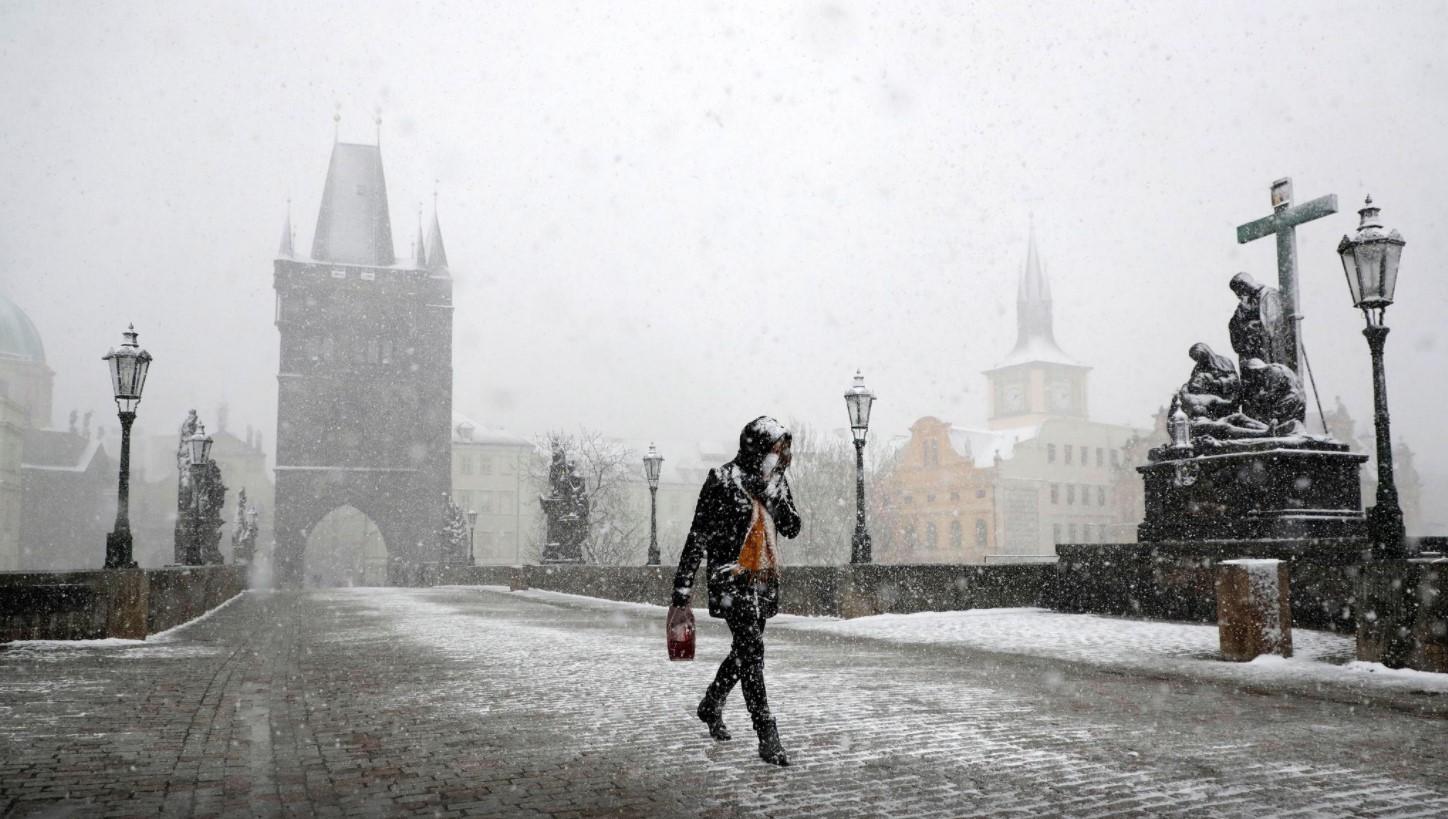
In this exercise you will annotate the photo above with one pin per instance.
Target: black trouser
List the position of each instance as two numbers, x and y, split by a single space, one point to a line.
745 663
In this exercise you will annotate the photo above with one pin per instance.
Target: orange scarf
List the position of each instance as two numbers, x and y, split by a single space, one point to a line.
757 555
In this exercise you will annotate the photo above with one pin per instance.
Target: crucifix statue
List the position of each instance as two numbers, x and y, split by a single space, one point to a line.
1284 221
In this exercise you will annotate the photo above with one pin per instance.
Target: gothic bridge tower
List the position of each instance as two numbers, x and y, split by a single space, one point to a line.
364 387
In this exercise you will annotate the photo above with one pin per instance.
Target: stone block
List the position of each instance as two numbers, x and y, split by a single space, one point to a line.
125 595
1268 494
1404 614
1254 609
518 579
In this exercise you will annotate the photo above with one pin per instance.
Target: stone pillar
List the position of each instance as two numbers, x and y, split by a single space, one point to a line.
518 579
1254 610
856 591
1403 614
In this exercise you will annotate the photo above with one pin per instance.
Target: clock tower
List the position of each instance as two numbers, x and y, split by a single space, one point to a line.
1036 380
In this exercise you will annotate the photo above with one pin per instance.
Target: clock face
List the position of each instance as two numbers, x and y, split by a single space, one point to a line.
1060 392
1014 397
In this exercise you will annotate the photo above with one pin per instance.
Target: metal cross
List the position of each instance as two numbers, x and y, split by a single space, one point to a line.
1284 220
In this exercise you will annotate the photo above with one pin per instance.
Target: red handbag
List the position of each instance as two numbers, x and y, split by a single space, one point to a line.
680 630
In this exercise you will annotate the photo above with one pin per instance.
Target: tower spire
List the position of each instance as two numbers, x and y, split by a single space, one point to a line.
284 250
419 255
436 253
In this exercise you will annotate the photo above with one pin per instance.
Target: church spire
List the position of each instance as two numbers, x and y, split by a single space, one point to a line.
284 250
1033 299
436 253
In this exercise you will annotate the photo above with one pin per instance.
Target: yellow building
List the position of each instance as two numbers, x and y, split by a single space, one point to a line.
1040 472
490 476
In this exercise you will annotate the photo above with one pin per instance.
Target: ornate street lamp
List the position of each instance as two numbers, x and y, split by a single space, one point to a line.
198 455
128 366
1370 261
472 535
858 400
653 465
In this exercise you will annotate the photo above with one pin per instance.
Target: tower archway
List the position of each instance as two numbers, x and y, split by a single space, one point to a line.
345 548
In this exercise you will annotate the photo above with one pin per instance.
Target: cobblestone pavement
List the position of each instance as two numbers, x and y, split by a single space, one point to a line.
462 701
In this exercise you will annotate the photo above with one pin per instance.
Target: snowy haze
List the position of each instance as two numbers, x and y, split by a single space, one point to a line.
664 219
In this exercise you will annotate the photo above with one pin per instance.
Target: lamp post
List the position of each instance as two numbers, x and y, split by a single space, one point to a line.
198 455
472 535
858 400
653 465
1370 262
128 366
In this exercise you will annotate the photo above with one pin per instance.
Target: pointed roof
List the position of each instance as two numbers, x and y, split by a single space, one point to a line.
353 225
284 250
419 255
1035 333
436 253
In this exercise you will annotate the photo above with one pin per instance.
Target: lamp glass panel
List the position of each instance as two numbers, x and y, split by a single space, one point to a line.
125 375
1370 271
1349 270
1392 254
206 449
143 367
197 456
113 363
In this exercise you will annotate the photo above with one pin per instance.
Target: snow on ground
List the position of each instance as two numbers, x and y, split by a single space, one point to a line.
1320 658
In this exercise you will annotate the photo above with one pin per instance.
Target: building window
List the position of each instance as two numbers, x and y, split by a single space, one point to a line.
1070 493
1068 453
485 465
932 453
1050 453
957 537
931 535
506 503
908 499
980 533
1056 532
955 496
980 493
1085 455
1055 493
1100 496
1115 457
1100 456
1071 533
465 464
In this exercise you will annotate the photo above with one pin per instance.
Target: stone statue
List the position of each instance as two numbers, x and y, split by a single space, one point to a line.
243 535
1259 327
566 509
1213 390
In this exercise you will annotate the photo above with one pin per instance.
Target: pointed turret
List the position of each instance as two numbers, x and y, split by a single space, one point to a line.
419 255
353 225
284 250
436 253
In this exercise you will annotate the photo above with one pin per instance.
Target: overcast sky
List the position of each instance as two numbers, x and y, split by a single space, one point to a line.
664 219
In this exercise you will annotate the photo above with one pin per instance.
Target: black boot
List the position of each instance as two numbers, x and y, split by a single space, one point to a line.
713 716
770 750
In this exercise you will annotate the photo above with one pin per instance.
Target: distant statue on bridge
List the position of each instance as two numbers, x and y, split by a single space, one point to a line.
566 509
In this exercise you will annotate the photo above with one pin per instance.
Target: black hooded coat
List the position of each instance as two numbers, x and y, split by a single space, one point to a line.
722 517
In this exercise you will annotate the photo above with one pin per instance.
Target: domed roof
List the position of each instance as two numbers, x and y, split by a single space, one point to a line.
18 337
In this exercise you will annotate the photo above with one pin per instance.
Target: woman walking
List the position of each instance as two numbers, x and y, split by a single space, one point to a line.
744 506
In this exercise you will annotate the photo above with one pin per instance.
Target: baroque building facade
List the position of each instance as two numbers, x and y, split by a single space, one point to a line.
1040 472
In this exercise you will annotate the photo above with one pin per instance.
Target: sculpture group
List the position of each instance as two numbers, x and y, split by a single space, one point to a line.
1263 405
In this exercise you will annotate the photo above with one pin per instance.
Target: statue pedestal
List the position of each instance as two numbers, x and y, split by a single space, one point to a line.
1264 494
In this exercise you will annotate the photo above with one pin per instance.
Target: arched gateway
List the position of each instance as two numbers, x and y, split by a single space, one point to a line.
364 389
